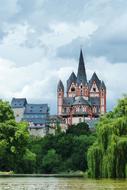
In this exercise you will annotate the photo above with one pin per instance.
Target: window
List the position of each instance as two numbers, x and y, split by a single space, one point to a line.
65 110
72 89
94 89
80 109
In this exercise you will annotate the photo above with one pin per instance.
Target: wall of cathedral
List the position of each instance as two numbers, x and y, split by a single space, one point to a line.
75 91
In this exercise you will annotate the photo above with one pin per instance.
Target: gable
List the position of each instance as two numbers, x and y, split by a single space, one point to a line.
94 88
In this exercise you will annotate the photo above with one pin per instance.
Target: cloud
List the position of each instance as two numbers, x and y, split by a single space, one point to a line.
8 10
40 42
114 76
21 44
38 82
110 38
63 33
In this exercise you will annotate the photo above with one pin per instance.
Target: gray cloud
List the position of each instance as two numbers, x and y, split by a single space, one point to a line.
40 42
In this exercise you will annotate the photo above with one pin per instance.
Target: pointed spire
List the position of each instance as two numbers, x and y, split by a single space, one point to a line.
81 76
96 79
72 79
60 86
103 85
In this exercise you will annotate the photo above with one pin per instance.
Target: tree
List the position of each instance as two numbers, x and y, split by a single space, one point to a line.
51 162
79 129
13 140
6 112
108 156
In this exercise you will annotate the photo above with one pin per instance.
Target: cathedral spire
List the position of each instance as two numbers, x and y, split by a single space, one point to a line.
81 76
60 86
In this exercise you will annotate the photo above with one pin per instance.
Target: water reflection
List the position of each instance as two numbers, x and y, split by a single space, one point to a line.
60 184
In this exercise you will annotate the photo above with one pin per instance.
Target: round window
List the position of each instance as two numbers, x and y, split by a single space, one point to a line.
72 89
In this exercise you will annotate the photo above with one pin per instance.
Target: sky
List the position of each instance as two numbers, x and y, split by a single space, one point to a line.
40 42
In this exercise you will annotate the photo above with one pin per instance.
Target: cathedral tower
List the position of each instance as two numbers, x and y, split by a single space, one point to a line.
60 96
85 99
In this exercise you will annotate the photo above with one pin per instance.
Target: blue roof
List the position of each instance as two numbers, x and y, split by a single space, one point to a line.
18 102
96 79
81 101
36 108
95 101
72 79
68 101
81 76
36 120
60 86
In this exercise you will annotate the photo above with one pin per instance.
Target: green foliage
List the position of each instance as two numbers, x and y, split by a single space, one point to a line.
6 112
79 129
58 128
62 152
108 156
52 154
13 141
14 138
51 162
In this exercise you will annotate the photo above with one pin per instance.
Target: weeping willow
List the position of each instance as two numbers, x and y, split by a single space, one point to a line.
107 157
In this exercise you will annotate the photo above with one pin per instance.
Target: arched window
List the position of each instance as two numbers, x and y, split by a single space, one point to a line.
72 89
80 109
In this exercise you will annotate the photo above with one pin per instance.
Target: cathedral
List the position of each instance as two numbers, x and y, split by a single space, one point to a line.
84 100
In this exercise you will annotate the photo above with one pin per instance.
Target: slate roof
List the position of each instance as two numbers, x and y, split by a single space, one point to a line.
60 86
36 120
18 102
103 85
95 101
81 76
56 118
81 101
96 79
72 79
68 101
36 109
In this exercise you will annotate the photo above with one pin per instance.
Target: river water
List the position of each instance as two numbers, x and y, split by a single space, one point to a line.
41 183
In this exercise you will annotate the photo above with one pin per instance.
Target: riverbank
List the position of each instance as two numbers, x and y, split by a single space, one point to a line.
43 175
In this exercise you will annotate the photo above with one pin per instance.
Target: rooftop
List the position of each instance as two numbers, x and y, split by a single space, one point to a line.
18 102
36 109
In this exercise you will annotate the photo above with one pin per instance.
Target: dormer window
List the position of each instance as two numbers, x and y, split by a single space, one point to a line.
72 89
